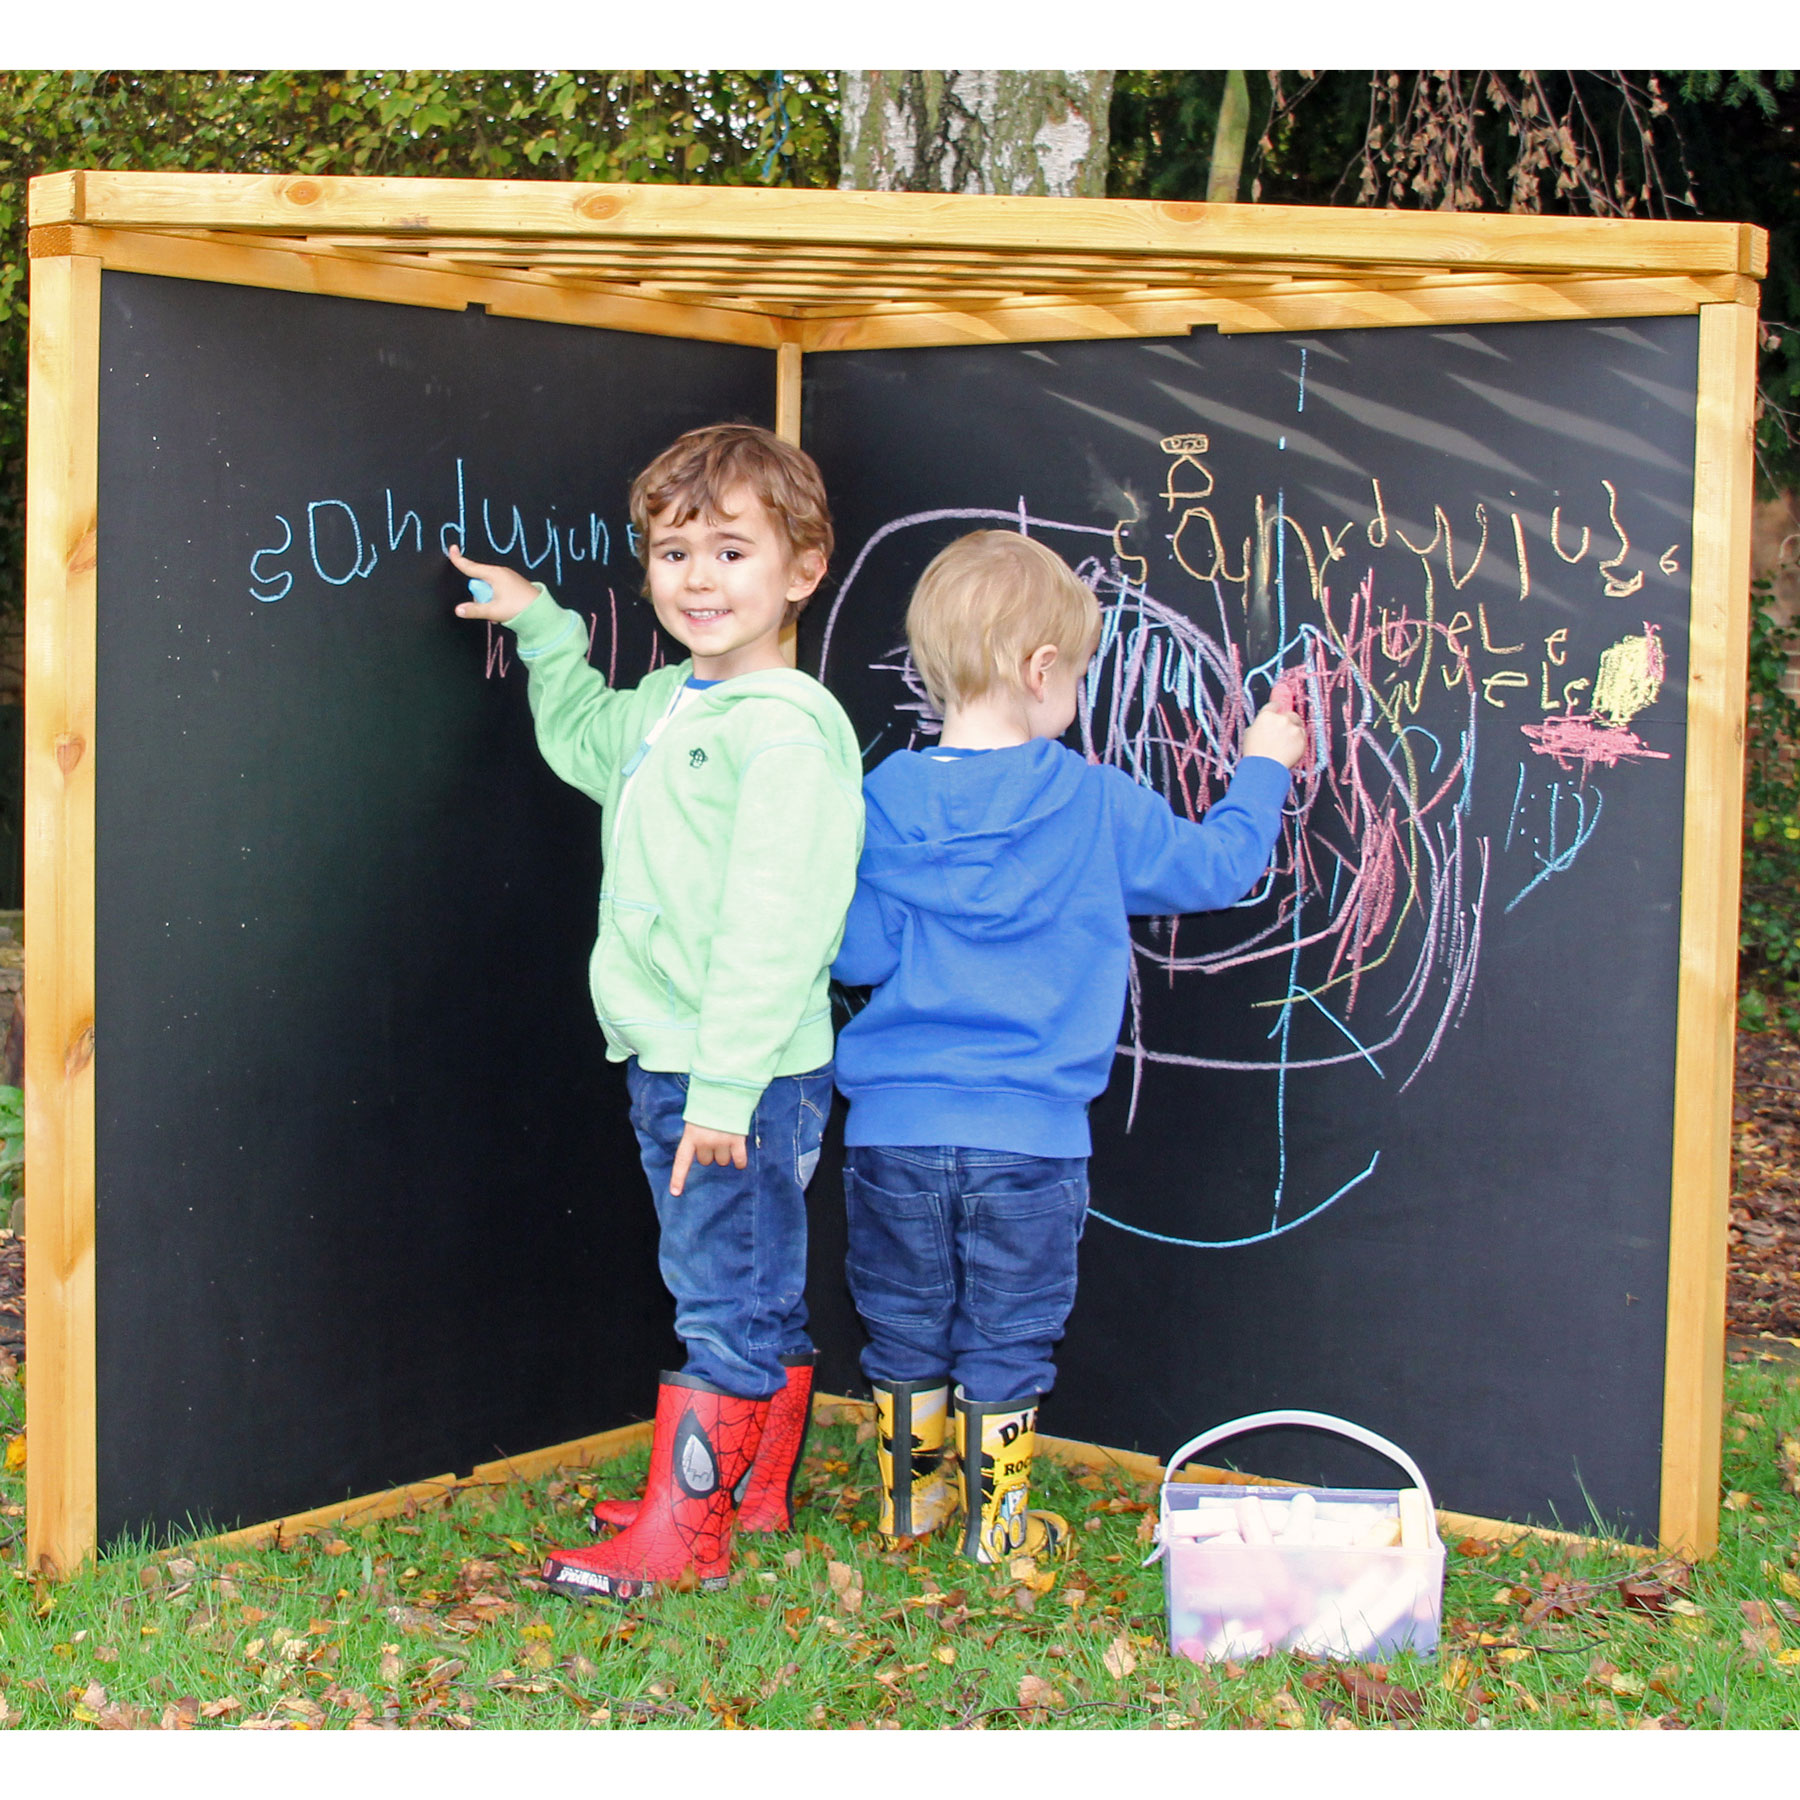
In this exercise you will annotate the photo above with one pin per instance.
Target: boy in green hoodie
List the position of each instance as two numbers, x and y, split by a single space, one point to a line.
732 818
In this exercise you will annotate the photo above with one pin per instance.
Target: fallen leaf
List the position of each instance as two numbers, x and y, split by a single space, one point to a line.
1789 1462
182 1714
1036 1694
1761 1641
15 1454
1644 1596
1736 1502
217 1709
846 1585
1756 1614
1120 1659
1474 1548
335 1547
125 1718
1374 1694
945 1653
1283 1711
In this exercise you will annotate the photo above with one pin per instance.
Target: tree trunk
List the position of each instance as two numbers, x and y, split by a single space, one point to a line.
976 131
1226 172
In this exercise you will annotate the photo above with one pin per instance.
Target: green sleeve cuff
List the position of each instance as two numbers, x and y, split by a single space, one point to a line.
538 626
719 1106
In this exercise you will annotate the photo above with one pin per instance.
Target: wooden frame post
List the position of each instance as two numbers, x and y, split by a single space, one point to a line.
1706 1002
63 475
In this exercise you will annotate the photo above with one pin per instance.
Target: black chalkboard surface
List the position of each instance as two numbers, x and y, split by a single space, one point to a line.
369 1208
1392 1138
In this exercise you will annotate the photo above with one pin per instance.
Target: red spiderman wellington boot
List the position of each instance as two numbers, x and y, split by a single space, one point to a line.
704 1444
766 1499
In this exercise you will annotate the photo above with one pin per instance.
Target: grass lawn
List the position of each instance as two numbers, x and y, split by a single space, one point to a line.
437 1622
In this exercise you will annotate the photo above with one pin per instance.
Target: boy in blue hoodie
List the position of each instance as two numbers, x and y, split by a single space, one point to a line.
998 872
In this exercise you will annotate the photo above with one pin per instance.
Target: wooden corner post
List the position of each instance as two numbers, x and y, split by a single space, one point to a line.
787 428
61 516
1706 1006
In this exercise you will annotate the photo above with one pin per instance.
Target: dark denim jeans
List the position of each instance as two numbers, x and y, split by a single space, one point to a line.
962 1262
733 1249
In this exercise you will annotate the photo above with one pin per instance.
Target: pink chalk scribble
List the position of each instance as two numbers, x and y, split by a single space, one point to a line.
1581 740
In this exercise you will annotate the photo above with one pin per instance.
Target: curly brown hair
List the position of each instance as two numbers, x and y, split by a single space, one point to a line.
692 478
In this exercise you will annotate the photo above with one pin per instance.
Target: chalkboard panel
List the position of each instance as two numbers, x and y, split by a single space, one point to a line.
368 1205
1391 1139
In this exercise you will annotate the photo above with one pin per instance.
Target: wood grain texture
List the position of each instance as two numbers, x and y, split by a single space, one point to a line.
1706 1003
343 1512
409 283
393 205
60 750
1444 302
787 427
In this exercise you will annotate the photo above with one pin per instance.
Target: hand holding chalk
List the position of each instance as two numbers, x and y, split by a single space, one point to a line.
1276 731
496 593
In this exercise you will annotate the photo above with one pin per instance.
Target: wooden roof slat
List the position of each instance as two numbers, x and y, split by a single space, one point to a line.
290 204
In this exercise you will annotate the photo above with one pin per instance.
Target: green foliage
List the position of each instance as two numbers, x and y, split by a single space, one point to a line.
12 1143
772 127
1725 144
1769 922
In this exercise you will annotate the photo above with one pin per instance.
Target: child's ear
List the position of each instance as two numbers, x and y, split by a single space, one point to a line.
1037 669
805 573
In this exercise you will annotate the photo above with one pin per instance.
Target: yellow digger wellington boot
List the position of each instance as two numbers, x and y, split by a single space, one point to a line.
911 1426
994 1448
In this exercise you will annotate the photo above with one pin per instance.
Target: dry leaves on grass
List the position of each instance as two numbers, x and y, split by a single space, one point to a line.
1788 1462
1037 1697
846 1584
1119 1658
1764 1292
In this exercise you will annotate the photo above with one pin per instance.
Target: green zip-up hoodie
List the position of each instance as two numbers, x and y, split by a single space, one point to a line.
730 848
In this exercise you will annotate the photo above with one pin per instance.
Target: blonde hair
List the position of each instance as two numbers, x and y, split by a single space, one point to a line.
984 604
695 475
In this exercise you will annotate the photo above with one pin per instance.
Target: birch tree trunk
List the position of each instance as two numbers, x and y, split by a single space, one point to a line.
976 131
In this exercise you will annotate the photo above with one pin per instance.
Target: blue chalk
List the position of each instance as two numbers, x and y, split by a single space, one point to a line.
480 591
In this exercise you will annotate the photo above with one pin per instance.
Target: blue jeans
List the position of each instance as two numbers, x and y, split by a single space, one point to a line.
962 1262
733 1249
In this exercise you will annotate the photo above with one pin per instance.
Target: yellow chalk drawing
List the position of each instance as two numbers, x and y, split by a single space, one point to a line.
1617 587
1120 527
1631 676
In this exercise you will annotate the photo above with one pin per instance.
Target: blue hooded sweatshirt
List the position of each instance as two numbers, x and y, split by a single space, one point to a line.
990 918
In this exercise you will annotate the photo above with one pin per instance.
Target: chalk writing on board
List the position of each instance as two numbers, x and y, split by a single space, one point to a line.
1367 931
339 541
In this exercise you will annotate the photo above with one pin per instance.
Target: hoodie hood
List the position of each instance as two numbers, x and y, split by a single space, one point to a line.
980 840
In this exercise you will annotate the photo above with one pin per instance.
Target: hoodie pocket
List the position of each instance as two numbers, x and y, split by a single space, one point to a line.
630 984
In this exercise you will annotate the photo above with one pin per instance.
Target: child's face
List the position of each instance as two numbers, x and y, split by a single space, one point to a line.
721 585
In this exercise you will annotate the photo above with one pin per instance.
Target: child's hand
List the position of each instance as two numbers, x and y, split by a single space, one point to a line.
698 1144
1276 732
512 592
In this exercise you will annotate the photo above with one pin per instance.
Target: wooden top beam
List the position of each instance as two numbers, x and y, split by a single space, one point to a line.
302 204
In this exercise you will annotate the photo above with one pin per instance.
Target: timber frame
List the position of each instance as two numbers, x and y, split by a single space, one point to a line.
805 272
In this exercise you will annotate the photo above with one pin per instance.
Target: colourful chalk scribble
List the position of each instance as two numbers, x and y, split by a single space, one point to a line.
1630 679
